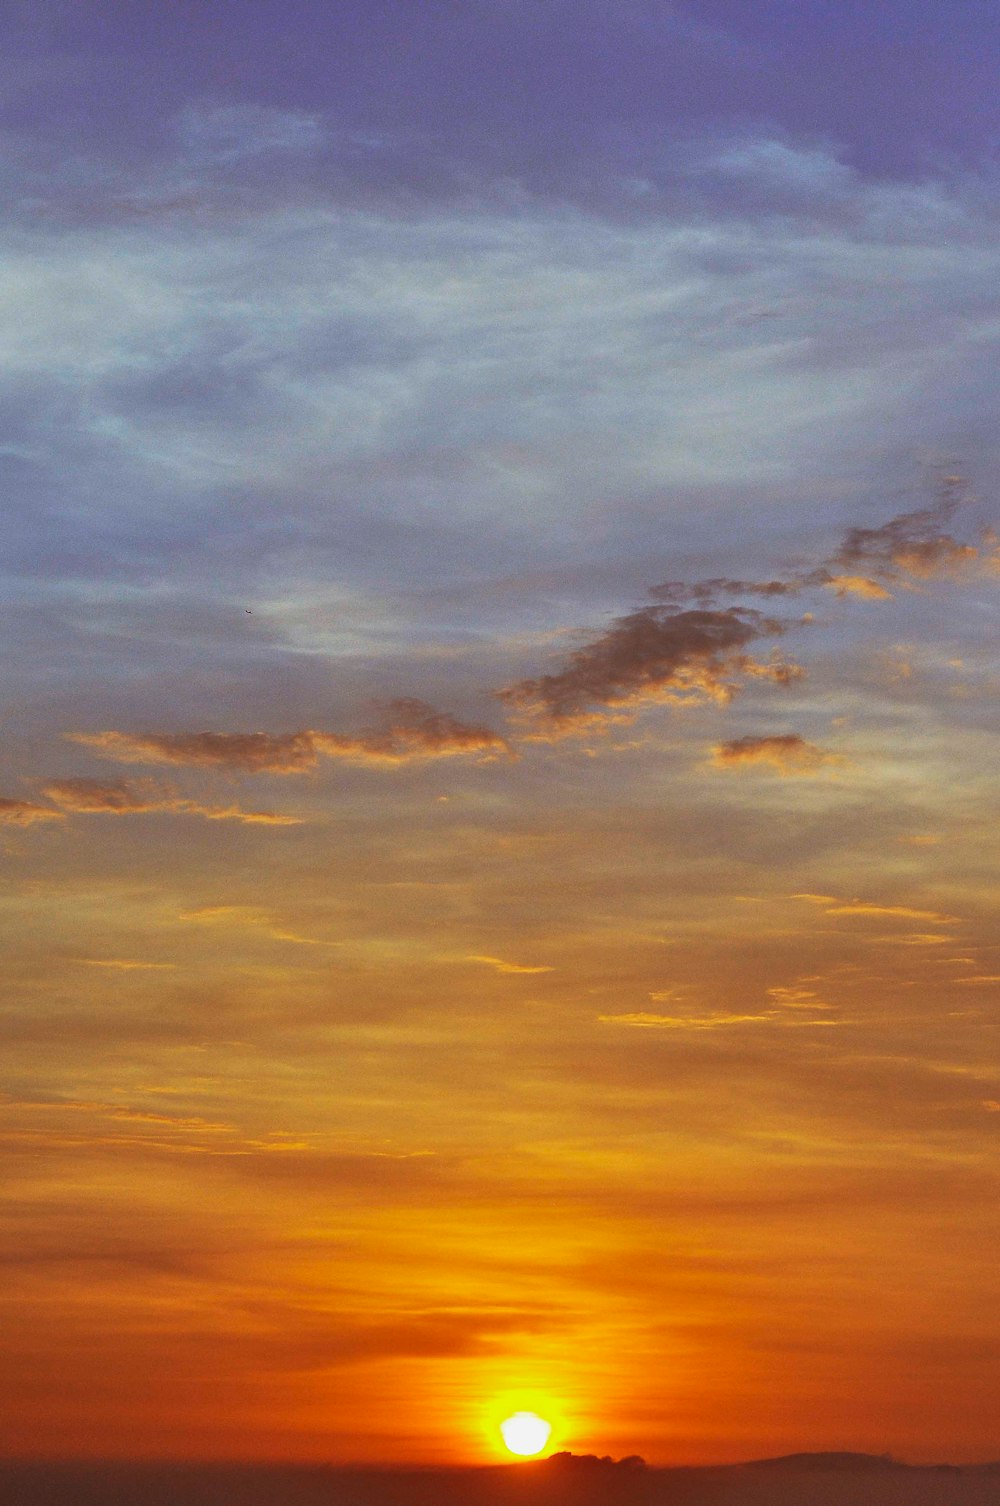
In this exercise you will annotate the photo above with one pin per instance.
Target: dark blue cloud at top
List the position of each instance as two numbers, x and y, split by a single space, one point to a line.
524 84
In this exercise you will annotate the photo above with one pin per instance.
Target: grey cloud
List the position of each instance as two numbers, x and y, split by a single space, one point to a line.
706 592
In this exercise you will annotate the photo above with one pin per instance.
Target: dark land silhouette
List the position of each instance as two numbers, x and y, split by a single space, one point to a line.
825 1479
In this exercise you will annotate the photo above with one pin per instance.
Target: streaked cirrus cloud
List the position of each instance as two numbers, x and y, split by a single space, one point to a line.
26 813
94 797
411 730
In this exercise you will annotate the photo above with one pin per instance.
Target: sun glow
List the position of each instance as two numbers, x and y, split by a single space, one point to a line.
525 1433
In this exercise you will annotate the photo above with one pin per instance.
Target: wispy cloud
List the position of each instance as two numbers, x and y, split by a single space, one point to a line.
644 1020
251 918
230 133
125 964
833 906
94 797
26 813
794 996
895 912
719 1020
250 752
409 730
500 966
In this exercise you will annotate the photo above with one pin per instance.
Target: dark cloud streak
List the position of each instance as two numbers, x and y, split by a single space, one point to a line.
410 730
653 653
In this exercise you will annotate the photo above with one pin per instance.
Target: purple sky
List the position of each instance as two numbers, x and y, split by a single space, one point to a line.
899 87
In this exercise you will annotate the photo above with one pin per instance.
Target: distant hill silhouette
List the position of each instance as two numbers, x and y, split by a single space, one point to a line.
828 1461
818 1479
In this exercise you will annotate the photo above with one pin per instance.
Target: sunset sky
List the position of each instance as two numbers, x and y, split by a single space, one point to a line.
498 807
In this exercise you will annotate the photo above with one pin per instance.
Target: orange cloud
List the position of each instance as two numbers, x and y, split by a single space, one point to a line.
642 1020
253 752
788 753
920 938
902 912
797 998
124 964
833 906
655 653
247 916
25 813
93 797
508 967
858 585
720 1021
411 729
912 544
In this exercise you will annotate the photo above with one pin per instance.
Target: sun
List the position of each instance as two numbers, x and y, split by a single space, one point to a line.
525 1433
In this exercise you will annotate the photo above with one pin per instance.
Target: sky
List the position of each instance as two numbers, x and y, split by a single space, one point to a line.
497 787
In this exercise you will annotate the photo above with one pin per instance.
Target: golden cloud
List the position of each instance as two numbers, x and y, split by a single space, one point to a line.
252 752
247 916
94 797
642 1020
834 906
413 730
913 544
858 585
653 654
124 964
410 729
796 997
901 912
507 967
26 813
788 753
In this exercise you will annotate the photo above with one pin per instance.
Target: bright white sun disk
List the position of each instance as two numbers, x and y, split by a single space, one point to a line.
525 1433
